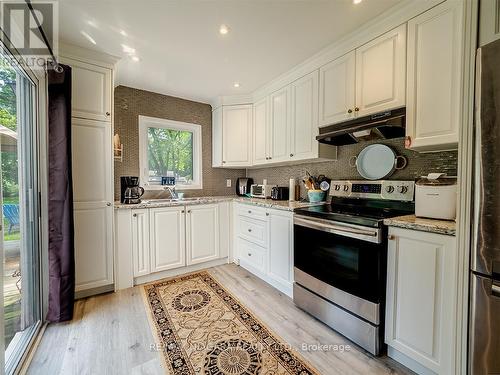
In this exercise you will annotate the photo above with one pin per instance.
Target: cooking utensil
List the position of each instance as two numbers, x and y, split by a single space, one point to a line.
377 161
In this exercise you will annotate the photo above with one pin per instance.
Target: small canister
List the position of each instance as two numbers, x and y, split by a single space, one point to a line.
436 197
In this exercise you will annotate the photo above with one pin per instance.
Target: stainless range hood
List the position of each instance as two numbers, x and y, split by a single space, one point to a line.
384 125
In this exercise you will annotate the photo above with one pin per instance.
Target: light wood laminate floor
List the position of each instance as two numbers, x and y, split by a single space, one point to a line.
110 334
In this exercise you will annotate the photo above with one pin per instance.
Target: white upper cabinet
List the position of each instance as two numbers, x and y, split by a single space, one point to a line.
381 73
489 21
280 124
434 78
304 124
337 90
202 233
167 241
91 90
261 131
217 137
236 135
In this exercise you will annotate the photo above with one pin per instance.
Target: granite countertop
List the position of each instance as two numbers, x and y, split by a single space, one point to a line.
268 203
447 227
152 203
280 205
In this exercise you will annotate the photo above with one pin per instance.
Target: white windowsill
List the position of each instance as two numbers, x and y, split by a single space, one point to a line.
177 187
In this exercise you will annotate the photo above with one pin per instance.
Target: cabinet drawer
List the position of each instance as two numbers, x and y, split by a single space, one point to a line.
252 254
253 230
252 212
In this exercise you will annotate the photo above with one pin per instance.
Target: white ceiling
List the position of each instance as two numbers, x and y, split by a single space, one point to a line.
182 53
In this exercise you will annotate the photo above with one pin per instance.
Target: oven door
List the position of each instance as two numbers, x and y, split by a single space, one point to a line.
351 258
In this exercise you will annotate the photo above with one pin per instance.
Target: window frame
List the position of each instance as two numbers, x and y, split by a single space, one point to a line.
146 122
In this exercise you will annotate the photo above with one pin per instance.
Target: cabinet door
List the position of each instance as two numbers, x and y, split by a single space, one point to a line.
91 90
434 78
489 21
421 297
381 73
336 90
237 135
168 238
92 207
217 137
281 248
202 233
261 131
280 124
140 242
304 126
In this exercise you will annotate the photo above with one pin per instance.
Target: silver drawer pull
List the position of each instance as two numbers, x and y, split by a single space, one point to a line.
249 230
249 254
249 211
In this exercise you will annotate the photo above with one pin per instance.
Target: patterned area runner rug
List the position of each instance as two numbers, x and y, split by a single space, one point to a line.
203 329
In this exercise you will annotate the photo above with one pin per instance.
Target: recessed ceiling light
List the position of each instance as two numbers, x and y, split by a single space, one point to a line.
88 37
356 1
135 58
128 50
236 84
223 29
123 33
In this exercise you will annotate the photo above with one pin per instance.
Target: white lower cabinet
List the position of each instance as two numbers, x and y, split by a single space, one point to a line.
153 243
140 242
264 244
202 233
280 248
168 246
421 300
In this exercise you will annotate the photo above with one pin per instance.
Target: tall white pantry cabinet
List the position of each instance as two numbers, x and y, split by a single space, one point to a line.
92 168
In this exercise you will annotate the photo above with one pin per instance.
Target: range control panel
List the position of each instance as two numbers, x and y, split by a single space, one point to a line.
382 189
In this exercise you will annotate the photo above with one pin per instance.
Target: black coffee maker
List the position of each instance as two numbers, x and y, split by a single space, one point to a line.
131 192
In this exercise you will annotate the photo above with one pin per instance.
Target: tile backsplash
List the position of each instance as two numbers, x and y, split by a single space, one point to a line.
418 164
130 103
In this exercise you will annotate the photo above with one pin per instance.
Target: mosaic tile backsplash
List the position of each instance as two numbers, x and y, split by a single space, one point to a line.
130 103
419 164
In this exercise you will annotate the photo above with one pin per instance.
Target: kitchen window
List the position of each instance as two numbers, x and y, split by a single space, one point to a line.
169 149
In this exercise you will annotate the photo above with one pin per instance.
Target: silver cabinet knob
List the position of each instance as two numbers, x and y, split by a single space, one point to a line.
108 114
182 211
267 213
249 230
249 211
189 211
291 155
249 254
391 237
349 110
108 204
134 215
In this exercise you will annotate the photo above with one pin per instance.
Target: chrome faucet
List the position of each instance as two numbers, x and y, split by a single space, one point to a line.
171 190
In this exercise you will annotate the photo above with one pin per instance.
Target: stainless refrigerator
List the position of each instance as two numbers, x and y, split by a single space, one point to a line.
484 323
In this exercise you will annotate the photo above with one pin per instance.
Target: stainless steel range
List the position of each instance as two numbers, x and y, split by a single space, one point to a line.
340 258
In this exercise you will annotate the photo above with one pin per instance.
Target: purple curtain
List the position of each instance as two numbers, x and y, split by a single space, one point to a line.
61 233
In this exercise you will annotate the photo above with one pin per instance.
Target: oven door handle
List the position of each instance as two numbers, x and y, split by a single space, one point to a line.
348 231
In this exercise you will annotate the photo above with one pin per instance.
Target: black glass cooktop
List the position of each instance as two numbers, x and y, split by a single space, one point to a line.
359 211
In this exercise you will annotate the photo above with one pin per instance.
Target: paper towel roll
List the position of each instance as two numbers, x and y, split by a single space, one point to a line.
291 193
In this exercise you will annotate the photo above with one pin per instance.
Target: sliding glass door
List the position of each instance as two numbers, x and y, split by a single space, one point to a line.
19 209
